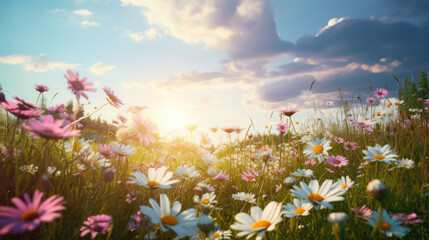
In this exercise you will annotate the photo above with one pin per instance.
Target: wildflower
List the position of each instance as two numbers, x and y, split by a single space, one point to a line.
187 172
310 162
109 174
49 128
122 118
362 212
329 102
249 176
105 150
221 176
249 197
278 187
407 219
57 109
157 178
350 145
338 139
228 129
221 235
144 129
136 109
288 112
112 98
337 217
202 187
381 154
405 163
346 182
387 225
52 170
191 128
209 159
259 221
320 196
184 223
78 86
298 208
370 100
96 160
338 161
282 128
207 200
132 196
376 189
318 148
122 150
42 88
213 129
380 92
289 181
205 140
29 213
95 225
205 224
32 169
238 129
303 173
21 109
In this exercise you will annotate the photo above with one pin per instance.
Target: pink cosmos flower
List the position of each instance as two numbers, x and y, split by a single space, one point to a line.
42 88
350 145
144 128
338 139
205 140
282 128
21 109
99 224
238 129
249 176
362 165
221 176
380 92
113 99
278 187
362 212
338 161
29 213
370 100
106 150
228 129
310 162
407 219
49 128
57 109
132 196
122 118
78 86
288 112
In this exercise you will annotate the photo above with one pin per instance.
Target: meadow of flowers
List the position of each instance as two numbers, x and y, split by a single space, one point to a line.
359 174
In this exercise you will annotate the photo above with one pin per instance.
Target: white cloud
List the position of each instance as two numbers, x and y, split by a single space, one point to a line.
83 12
40 64
332 22
90 23
100 68
150 34
15 59
140 84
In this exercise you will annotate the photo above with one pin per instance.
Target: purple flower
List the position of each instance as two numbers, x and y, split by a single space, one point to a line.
29 213
221 176
49 128
113 99
338 161
370 100
78 86
57 109
42 88
380 92
21 109
99 224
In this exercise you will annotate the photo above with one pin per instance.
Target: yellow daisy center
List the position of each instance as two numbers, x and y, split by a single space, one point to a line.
169 220
185 175
384 226
299 211
29 215
142 129
405 165
120 152
378 157
315 197
205 201
216 235
204 141
345 186
95 163
152 183
260 224
318 149
302 174
249 199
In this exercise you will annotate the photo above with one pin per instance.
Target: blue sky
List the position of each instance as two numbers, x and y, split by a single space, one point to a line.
211 62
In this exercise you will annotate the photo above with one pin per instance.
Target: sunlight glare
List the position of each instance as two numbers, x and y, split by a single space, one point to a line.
173 118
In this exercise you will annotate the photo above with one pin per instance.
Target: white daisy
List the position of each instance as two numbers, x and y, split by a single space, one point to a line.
52 170
122 150
318 148
303 173
298 208
319 196
239 196
207 200
203 187
78 147
32 169
184 223
381 154
259 221
346 182
96 160
221 235
187 172
405 163
389 226
249 197
157 178
209 159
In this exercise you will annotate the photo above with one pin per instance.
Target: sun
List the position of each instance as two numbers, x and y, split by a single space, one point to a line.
172 118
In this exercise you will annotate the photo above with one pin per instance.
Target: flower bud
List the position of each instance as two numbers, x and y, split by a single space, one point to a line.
109 174
205 224
289 182
376 189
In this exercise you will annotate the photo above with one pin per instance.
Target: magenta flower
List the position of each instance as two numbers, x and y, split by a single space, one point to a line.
380 92
113 99
338 161
78 86
49 128
57 109
249 176
21 109
288 112
370 100
99 224
362 212
221 176
106 150
42 88
338 139
282 128
350 145
407 219
29 213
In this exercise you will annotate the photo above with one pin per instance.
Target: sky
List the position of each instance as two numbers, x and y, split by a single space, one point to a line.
212 62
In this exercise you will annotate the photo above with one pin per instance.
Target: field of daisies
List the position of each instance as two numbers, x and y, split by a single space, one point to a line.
361 173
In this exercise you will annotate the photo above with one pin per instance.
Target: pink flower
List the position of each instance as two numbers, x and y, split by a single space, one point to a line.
420 99
362 165
282 128
362 212
99 224
350 145
407 219
21 109
278 187
57 109
132 196
144 128
249 176
221 176
380 92
29 213
288 112
42 88
112 98
294 154
105 150
78 86
49 128
122 118
338 139
370 100
310 162
338 161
